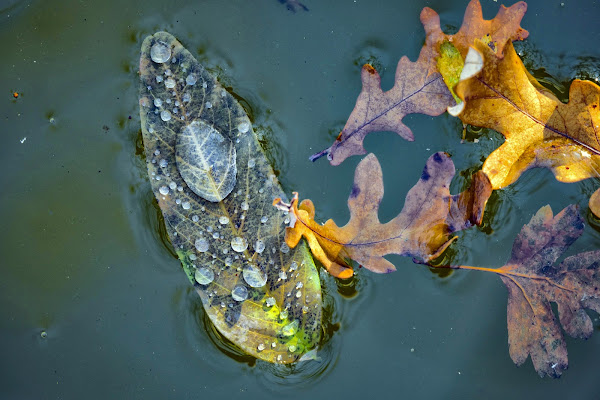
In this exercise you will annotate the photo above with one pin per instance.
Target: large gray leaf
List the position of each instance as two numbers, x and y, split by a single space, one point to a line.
258 293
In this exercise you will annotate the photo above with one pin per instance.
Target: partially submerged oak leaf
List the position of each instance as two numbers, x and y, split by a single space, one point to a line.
418 87
422 230
215 187
533 282
595 203
540 130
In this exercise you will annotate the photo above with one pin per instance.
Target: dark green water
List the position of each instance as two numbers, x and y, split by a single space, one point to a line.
84 261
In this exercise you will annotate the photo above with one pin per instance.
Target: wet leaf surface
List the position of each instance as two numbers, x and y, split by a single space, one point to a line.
422 230
540 130
259 293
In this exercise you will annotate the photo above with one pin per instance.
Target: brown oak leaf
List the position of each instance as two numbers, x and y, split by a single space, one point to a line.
419 86
422 230
534 282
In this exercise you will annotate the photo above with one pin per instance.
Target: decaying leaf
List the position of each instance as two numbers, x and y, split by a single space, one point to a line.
595 203
533 282
215 187
540 131
422 230
419 87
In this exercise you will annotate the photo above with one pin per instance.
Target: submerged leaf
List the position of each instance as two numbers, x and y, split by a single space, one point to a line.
422 230
533 283
206 161
419 87
540 131
257 292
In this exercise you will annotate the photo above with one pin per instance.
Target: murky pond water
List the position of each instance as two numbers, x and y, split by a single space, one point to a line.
95 305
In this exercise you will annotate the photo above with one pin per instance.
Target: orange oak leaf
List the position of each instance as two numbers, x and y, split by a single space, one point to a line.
540 130
595 203
419 87
533 282
422 230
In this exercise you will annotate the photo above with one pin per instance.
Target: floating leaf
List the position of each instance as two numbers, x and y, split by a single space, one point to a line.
533 282
595 203
540 131
230 241
419 87
422 230
206 161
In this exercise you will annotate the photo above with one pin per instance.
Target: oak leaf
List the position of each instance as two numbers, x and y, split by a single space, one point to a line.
533 283
419 86
422 230
214 187
540 130
595 203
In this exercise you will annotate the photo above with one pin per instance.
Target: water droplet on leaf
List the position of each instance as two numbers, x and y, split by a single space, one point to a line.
239 244
254 276
160 53
239 293
204 276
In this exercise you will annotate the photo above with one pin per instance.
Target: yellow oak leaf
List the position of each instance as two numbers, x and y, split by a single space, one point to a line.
540 130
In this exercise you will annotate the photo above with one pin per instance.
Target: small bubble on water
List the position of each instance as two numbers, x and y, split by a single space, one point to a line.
175 110
254 276
208 104
259 246
159 78
282 275
157 152
170 83
163 190
195 218
201 245
168 72
239 293
204 276
251 163
173 185
187 97
260 347
177 103
244 206
204 85
160 53
264 219
284 248
163 163
292 348
43 335
299 285
223 220
186 205
193 257
239 244
165 115
157 102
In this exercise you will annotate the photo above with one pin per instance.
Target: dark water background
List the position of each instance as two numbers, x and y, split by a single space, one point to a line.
83 259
